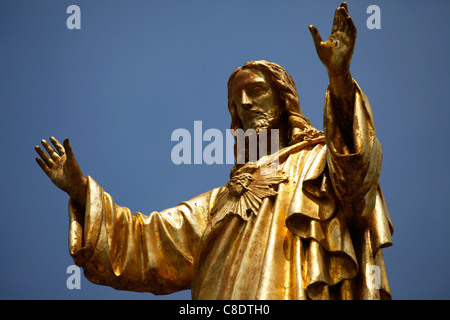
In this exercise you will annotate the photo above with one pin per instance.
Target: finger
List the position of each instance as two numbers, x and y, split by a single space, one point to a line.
58 145
343 9
349 21
346 23
68 148
342 20
316 36
43 166
351 27
344 5
47 160
50 150
344 17
335 21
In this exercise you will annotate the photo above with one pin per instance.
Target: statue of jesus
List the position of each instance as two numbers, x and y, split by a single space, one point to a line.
314 228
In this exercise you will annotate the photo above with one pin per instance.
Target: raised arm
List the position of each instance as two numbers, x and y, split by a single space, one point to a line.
354 154
336 54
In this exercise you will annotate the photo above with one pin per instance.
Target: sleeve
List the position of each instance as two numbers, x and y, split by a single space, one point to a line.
153 253
340 213
354 175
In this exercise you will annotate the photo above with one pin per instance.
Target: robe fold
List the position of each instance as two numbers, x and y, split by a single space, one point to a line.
314 229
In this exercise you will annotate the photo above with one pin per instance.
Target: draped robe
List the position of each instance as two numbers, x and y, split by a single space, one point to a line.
314 230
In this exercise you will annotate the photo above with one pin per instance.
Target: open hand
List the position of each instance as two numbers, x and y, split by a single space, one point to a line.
336 53
62 168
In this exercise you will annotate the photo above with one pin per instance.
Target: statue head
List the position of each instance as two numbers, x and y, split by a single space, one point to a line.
274 90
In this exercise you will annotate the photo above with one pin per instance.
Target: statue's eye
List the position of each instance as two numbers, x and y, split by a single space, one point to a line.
257 90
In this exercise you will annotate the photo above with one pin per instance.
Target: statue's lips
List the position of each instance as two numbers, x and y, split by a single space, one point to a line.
256 118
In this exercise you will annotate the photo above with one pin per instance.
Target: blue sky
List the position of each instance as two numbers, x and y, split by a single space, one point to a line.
138 70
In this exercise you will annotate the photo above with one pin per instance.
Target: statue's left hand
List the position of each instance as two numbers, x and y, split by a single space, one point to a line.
336 53
63 170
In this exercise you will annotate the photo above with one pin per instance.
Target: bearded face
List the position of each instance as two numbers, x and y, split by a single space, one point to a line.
257 103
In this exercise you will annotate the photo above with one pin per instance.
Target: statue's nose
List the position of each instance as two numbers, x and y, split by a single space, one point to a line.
245 100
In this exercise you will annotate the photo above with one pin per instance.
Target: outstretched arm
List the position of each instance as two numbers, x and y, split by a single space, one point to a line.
131 252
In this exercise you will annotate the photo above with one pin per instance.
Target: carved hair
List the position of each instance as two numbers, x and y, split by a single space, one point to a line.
300 127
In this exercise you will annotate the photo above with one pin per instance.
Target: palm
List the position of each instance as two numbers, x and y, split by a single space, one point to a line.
336 53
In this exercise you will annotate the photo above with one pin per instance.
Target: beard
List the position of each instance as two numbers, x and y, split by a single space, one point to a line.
262 120
260 128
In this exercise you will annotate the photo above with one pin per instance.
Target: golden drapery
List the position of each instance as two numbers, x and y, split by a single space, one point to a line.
311 231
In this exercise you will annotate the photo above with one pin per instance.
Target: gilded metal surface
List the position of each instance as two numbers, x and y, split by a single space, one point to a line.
310 230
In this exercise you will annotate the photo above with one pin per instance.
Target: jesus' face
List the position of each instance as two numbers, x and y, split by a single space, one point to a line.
256 101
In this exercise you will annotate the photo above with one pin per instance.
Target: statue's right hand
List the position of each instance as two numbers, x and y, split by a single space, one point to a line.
63 169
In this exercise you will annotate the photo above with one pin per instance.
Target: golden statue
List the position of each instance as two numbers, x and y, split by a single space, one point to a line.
313 229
